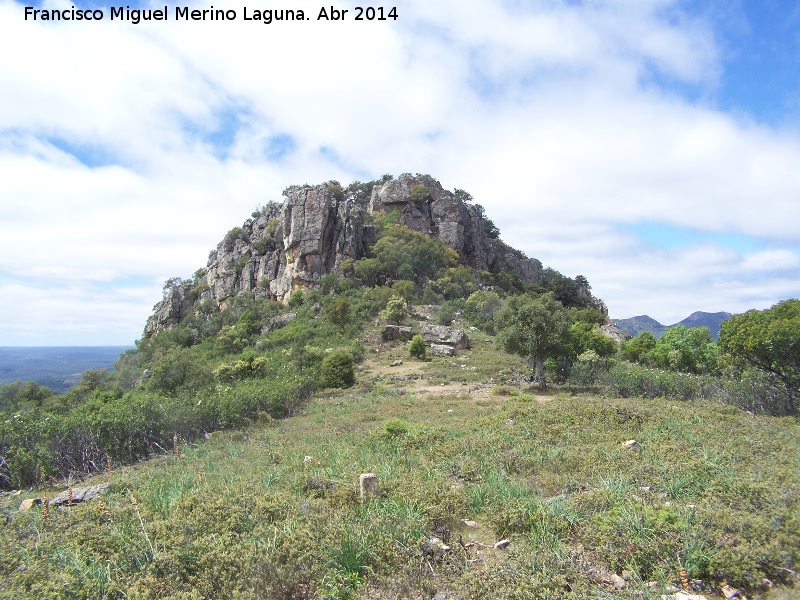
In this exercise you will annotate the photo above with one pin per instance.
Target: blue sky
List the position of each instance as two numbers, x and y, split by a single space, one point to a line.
651 146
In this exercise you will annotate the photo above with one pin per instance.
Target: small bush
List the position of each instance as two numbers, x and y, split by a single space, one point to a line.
417 348
296 299
396 427
337 368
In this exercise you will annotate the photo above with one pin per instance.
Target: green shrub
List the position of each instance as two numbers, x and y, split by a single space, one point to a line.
339 314
396 427
419 193
296 299
417 347
338 369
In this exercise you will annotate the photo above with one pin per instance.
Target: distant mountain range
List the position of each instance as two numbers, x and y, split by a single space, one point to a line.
641 323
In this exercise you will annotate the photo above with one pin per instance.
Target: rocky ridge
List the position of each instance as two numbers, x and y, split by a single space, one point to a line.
289 246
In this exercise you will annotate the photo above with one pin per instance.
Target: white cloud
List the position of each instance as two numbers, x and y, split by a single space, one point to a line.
560 119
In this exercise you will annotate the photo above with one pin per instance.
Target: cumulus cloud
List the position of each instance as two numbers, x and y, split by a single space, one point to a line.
130 149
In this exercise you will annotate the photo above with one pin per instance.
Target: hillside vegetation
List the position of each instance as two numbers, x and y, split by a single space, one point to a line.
234 439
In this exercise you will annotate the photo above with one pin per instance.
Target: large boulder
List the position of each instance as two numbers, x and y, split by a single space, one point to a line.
442 334
396 332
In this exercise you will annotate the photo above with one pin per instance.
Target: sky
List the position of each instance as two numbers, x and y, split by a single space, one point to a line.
652 146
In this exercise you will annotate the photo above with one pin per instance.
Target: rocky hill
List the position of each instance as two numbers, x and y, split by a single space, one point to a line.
289 246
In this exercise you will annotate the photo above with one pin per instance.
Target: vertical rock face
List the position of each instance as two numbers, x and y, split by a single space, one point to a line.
290 246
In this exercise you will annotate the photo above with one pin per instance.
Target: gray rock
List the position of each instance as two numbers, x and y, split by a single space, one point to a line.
281 321
615 333
368 485
442 350
396 332
617 582
442 334
395 363
80 494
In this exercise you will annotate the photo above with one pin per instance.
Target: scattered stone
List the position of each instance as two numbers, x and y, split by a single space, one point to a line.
453 364
682 596
469 523
440 596
368 483
630 444
80 494
434 546
395 363
442 350
396 332
502 544
645 489
27 504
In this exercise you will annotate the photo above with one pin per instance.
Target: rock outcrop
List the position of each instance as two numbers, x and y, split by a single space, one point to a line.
290 246
443 334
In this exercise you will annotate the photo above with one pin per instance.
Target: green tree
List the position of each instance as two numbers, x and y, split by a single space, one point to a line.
685 349
395 310
327 284
404 254
536 328
587 337
770 341
638 348
481 307
339 314
405 289
417 347
338 369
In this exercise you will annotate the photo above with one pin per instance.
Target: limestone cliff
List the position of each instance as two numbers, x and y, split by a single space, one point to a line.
290 246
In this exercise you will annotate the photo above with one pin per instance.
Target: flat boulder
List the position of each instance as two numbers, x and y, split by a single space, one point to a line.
442 350
443 334
80 494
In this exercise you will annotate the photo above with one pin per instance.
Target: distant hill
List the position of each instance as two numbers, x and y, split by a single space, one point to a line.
636 325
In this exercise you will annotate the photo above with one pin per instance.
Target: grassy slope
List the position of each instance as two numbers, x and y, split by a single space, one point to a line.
273 511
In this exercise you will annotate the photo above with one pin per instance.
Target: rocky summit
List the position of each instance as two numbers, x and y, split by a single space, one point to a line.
289 246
